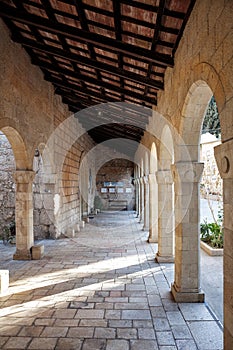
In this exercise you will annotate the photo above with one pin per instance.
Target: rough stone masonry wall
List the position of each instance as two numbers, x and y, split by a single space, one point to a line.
7 190
30 108
121 171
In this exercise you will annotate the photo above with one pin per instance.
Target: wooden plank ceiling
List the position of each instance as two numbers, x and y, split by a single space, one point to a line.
98 51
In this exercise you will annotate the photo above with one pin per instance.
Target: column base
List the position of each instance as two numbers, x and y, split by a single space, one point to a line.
152 240
164 259
145 228
22 255
187 297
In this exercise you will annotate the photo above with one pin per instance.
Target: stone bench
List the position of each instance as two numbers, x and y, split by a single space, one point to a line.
4 281
37 251
118 204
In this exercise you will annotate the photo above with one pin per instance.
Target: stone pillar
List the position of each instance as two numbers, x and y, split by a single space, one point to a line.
153 209
24 214
136 183
141 213
224 158
146 204
165 216
186 287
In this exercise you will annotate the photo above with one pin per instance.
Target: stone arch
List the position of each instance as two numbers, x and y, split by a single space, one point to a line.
18 146
153 196
165 198
153 159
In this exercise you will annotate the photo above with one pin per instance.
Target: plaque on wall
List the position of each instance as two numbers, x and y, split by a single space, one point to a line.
128 190
111 190
104 190
120 190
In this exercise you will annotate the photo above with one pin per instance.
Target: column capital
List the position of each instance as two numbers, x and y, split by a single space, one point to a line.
141 180
224 158
24 176
146 180
187 171
164 177
152 178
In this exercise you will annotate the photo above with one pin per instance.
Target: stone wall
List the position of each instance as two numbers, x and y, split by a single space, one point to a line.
7 188
114 188
33 117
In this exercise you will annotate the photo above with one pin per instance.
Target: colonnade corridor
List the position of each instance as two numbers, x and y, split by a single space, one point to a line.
100 290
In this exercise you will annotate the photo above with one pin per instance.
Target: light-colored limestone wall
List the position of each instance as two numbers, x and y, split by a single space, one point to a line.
204 67
33 117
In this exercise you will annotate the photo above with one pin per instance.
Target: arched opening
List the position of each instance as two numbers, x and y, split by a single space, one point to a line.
153 196
165 198
7 196
146 192
193 113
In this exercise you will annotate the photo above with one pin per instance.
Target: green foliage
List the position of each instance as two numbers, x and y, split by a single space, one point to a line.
8 234
212 234
211 121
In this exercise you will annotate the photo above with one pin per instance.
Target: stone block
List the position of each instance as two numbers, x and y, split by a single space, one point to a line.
4 281
37 252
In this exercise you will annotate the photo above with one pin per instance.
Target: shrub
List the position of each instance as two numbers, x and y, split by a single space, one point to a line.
212 234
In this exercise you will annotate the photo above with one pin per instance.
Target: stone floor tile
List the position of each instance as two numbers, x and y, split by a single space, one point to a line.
138 300
44 321
175 318
197 313
105 333
146 333
93 323
136 315
17 343
3 341
165 338
31 331
127 333
117 344
120 323
143 345
64 322
56 332
181 332
158 311
94 344
154 300
207 334
80 332
117 299
167 347
161 324
133 287
113 314
184 344
90 314
131 306
69 344
104 306
9 331
63 313
43 343
142 324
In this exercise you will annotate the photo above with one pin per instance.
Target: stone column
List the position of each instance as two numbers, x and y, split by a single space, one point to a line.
141 213
24 214
186 287
165 216
224 158
146 204
153 209
136 183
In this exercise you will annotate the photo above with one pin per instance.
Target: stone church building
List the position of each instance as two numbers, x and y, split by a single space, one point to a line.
101 108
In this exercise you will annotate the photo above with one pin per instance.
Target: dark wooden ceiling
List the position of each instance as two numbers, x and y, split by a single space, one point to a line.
98 51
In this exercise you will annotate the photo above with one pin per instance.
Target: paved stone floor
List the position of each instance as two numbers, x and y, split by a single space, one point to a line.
101 290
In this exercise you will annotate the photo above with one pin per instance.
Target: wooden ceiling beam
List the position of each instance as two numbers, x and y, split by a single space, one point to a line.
96 82
85 36
137 78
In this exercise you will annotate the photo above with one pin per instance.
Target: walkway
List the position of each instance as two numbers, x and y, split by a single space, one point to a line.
101 290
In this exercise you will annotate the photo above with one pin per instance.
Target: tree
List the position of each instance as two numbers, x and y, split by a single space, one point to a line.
211 122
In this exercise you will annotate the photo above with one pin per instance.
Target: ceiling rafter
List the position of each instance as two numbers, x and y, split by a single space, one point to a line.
98 54
86 37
